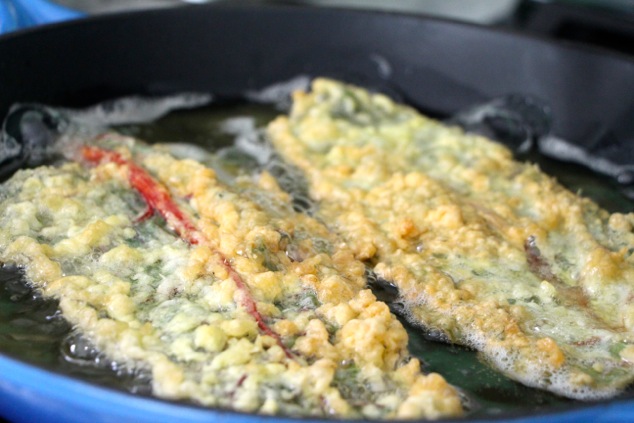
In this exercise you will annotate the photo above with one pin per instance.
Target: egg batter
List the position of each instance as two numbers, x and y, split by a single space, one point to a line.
223 293
488 251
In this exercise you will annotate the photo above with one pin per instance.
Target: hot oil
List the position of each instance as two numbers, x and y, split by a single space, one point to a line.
32 329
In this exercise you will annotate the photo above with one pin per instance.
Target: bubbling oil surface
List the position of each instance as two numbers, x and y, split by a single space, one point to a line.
230 138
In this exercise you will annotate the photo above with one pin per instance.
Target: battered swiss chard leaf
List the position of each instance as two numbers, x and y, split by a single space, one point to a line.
487 250
222 294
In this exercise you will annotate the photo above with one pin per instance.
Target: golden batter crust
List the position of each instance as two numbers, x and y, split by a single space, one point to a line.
490 251
148 298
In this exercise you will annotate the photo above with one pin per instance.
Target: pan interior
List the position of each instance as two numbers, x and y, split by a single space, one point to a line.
32 330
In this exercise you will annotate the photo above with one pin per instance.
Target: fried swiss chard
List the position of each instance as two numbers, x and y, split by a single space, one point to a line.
489 251
221 292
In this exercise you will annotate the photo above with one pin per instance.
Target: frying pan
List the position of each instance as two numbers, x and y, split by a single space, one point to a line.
438 66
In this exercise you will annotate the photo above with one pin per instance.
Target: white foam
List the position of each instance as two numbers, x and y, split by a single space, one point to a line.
248 138
566 151
135 109
530 371
279 94
183 150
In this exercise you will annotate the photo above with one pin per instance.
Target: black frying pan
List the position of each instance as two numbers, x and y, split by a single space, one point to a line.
438 66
